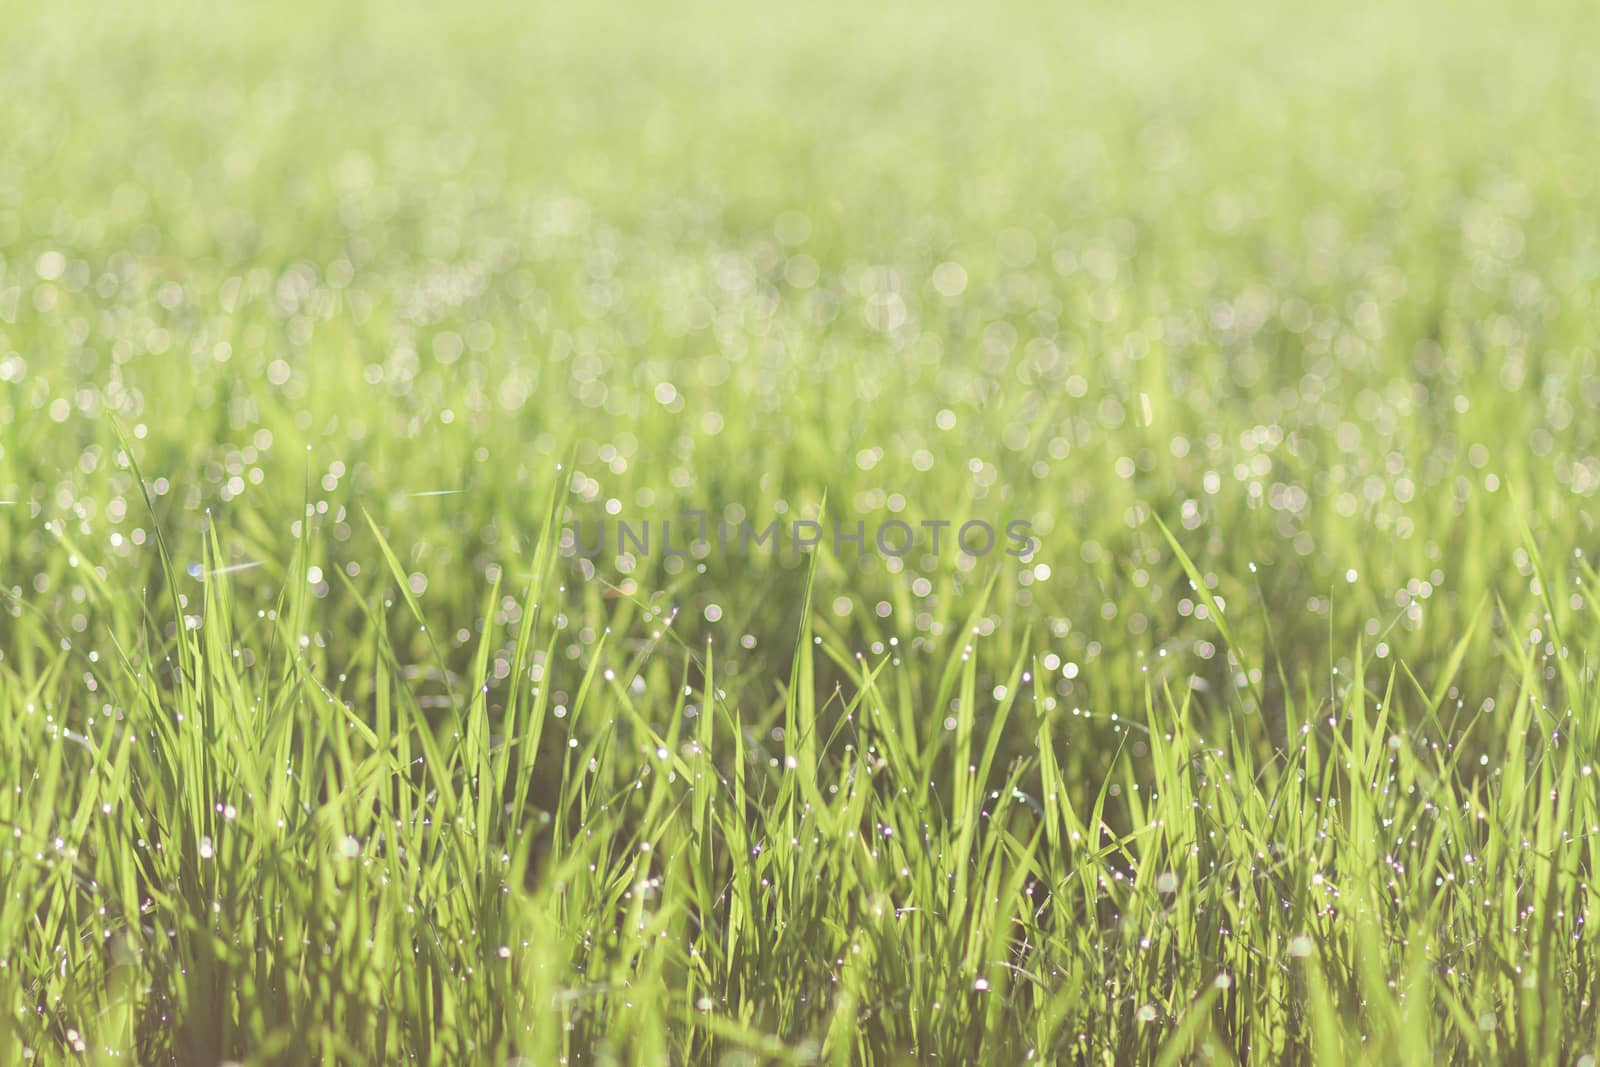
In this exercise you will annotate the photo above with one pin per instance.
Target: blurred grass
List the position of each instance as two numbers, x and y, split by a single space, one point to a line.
1311 287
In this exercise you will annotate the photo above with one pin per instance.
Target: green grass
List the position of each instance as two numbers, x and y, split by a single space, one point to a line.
318 743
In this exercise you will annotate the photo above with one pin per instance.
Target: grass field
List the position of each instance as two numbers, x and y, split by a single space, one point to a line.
329 338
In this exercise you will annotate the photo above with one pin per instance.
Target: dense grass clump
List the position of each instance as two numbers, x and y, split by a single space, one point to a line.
327 341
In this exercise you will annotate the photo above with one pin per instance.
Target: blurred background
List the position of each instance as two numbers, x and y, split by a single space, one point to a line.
1313 286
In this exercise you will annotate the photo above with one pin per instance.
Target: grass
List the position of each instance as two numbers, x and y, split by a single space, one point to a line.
320 333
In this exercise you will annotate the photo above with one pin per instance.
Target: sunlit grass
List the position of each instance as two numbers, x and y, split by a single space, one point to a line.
320 739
